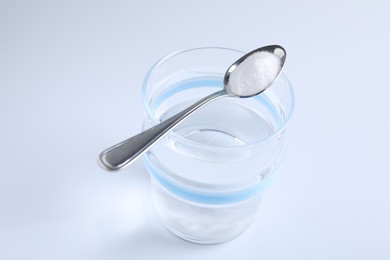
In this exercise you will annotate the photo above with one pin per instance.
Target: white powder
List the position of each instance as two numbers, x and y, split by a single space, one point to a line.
255 73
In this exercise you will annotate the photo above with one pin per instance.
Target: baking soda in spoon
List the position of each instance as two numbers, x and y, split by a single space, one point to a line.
255 73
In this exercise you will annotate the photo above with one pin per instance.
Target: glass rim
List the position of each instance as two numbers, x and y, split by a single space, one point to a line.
186 141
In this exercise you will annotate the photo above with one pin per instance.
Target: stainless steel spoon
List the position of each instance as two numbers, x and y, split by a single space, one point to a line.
124 153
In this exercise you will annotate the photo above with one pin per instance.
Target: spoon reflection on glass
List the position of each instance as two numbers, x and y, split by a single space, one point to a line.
248 76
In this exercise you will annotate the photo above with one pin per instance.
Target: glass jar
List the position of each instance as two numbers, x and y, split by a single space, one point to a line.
209 174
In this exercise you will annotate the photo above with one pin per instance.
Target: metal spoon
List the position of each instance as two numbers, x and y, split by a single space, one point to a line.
124 153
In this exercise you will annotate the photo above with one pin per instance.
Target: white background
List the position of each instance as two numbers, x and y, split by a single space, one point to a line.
70 86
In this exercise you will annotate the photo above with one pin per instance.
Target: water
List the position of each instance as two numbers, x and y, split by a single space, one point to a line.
209 175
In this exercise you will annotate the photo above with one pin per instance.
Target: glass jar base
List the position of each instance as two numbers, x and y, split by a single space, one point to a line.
203 223
203 241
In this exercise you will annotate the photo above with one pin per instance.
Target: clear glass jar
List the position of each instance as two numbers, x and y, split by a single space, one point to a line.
209 174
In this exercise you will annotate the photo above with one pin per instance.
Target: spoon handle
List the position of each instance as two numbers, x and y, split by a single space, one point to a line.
124 153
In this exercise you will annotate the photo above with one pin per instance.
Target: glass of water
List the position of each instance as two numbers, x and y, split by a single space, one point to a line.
209 174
